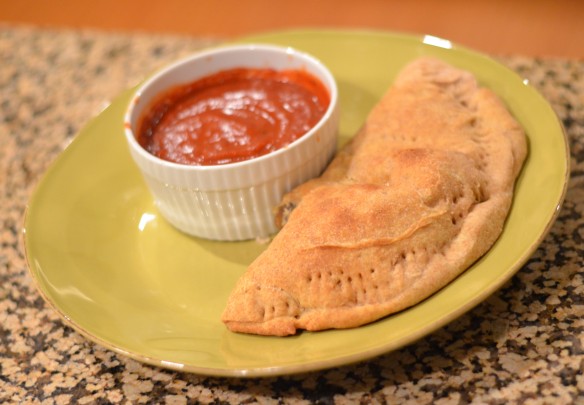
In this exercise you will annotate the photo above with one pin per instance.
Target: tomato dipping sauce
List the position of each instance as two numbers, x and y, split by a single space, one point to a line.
232 116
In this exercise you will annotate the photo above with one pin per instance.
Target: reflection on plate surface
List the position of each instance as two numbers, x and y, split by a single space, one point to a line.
119 274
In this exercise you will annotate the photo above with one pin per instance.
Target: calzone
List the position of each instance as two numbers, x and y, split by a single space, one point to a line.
415 198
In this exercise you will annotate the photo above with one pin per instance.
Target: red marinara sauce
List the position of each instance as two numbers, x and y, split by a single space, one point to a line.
231 116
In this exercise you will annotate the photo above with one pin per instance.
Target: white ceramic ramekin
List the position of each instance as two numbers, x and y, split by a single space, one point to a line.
232 201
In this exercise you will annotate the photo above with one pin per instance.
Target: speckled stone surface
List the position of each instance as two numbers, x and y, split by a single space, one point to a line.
524 345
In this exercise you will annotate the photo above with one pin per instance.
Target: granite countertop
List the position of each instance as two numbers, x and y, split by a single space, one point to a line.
524 344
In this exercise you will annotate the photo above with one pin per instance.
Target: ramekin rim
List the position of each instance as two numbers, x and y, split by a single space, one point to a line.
330 111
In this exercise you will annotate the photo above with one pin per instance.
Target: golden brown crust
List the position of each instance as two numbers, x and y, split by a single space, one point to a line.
419 194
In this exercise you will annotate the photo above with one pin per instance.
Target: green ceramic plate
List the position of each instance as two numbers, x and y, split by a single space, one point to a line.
119 274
